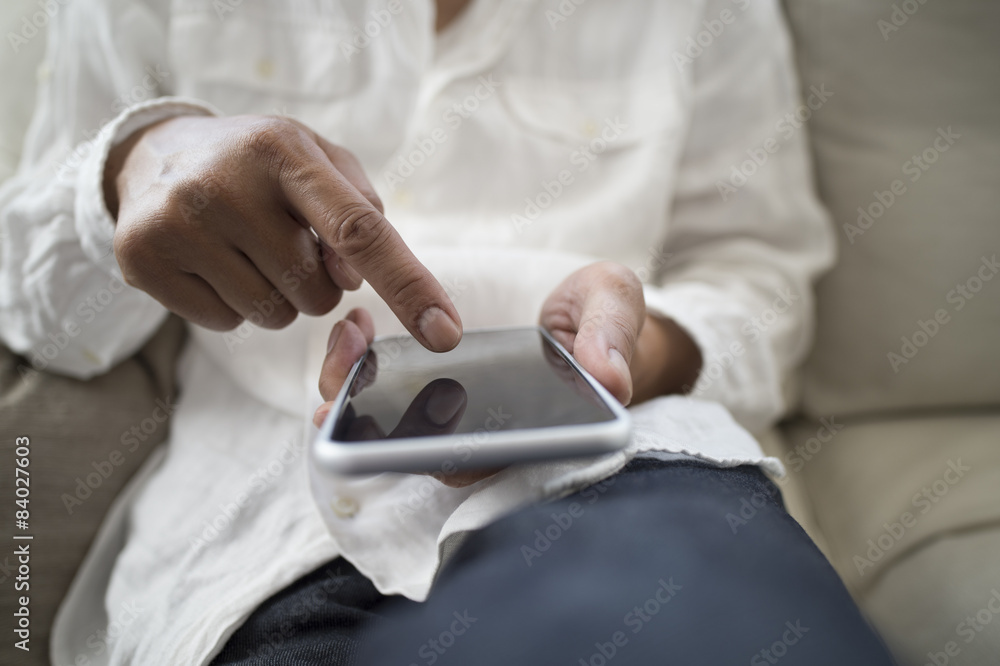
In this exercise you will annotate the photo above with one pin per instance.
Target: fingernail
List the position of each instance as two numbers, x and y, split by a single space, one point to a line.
320 414
619 363
334 336
444 403
438 329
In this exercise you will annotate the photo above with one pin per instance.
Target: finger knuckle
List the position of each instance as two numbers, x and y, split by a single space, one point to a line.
282 316
339 153
611 316
359 231
623 323
409 290
194 200
621 279
218 320
322 301
135 250
270 140
182 210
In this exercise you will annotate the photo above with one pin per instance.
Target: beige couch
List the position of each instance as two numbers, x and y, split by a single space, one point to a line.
905 495
869 438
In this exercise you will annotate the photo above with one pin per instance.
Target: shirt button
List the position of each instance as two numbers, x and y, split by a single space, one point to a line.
344 507
265 69
402 197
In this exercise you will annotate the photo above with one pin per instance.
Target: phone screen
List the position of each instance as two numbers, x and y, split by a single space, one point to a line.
493 380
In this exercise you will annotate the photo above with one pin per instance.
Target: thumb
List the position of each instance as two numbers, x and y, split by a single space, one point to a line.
611 319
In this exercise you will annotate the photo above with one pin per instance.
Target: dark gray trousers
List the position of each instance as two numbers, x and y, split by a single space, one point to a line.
663 563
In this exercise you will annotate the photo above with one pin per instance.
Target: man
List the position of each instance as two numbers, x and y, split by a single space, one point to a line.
625 172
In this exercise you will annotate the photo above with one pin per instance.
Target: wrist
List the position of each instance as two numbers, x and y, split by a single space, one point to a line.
666 360
115 167
112 170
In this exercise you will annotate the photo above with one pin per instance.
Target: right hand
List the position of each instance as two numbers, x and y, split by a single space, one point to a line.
215 219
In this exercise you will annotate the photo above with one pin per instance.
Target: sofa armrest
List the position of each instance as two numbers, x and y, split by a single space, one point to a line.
87 438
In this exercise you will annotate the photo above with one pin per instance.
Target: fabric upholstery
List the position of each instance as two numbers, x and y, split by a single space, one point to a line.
87 439
905 75
894 100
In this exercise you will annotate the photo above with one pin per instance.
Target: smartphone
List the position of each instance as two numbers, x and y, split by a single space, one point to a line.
502 396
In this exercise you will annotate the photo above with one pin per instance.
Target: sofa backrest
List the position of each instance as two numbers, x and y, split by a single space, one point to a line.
20 57
908 161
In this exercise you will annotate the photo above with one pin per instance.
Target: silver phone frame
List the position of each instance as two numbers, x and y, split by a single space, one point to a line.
500 448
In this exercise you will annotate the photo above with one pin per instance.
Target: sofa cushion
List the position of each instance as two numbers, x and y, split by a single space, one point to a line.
906 151
909 513
883 488
942 604
86 441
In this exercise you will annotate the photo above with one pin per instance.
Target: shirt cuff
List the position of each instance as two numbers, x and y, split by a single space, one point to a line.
94 224
734 372
684 305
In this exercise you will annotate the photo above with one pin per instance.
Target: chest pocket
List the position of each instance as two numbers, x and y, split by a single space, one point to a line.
261 56
624 113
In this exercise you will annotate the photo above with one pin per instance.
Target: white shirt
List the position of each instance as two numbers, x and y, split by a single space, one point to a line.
529 139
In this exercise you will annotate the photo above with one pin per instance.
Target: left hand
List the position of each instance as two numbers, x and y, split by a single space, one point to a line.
599 315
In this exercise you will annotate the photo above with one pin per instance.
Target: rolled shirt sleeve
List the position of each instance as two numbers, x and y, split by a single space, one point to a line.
63 303
747 234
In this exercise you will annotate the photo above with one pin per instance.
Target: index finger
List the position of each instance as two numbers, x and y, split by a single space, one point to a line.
357 231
